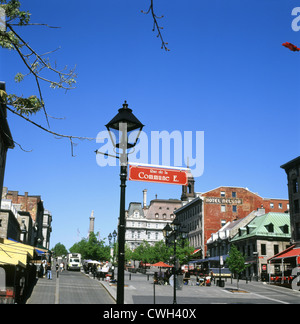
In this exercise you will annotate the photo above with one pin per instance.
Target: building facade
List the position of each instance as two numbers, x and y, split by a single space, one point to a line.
6 140
41 219
207 212
262 238
146 223
292 169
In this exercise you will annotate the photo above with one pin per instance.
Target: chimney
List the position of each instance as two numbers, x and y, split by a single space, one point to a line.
144 198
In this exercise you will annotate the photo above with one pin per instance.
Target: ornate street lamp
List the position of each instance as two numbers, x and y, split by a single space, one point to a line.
121 130
173 233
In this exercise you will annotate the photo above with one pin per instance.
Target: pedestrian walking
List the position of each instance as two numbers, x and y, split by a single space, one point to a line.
49 272
57 270
61 267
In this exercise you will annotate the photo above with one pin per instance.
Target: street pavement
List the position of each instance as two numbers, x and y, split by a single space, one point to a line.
139 289
71 287
79 288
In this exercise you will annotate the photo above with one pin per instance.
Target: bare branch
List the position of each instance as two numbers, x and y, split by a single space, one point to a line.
49 131
156 25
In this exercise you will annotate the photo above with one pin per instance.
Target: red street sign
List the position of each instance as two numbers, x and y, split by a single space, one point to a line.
158 175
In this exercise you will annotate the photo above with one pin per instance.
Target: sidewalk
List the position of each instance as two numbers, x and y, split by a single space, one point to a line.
139 290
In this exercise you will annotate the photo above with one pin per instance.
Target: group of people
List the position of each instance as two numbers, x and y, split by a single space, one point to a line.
46 271
163 278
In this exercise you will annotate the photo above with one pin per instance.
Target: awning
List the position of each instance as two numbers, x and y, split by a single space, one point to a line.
8 259
13 254
290 252
40 251
20 247
216 258
196 251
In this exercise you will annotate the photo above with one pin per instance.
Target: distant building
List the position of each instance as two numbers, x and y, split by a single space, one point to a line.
6 140
146 223
205 213
41 219
262 238
92 223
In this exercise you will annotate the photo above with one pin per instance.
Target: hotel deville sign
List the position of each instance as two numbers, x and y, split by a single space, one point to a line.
158 174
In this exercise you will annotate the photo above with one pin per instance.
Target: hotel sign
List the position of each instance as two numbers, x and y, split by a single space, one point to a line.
223 201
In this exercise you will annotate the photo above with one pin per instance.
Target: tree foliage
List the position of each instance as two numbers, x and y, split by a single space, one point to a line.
92 248
161 252
235 261
36 64
59 250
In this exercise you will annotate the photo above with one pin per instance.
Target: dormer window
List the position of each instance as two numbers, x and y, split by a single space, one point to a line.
270 228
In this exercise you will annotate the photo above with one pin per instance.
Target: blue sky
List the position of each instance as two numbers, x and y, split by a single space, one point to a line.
227 74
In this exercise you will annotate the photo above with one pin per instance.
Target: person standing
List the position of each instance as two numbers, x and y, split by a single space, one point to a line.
49 272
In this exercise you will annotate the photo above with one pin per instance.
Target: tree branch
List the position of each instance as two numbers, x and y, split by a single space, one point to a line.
70 137
156 25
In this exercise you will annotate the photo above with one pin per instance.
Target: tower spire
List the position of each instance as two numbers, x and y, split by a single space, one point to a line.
92 222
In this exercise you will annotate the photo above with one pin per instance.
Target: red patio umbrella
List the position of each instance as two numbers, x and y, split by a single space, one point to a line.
161 264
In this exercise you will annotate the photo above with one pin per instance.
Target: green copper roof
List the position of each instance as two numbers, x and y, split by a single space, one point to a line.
268 225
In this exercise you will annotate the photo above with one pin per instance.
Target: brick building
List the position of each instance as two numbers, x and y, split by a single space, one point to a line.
205 213
225 204
41 218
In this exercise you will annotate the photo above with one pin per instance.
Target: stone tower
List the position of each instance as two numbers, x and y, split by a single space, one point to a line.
188 191
92 223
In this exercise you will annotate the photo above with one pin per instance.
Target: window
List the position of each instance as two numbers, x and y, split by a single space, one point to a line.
156 235
280 205
132 234
138 234
296 206
263 249
149 235
234 208
295 186
223 222
222 193
271 205
270 228
276 249
285 229
297 231
156 215
233 194
223 208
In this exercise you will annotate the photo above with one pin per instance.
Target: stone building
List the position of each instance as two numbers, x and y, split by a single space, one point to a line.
292 169
146 223
6 140
263 237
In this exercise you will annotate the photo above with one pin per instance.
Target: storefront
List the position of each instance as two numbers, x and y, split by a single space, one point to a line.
16 270
286 266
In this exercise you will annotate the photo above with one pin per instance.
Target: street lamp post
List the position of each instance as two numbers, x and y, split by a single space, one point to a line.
174 232
120 129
